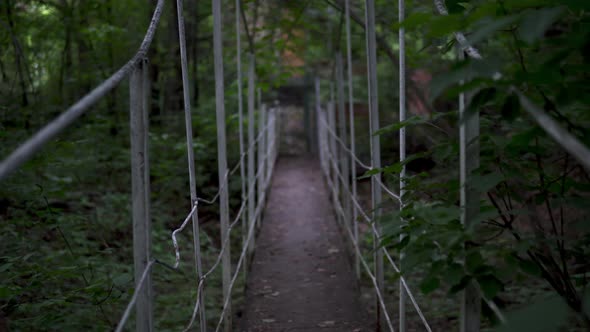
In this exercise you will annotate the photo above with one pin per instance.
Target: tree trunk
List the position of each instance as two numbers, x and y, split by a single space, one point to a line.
17 55
194 48
66 58
84 71
173 77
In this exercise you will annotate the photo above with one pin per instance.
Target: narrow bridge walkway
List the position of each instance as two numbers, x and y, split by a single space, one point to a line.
301 277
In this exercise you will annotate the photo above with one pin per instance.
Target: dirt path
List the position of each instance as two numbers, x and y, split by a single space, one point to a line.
301 279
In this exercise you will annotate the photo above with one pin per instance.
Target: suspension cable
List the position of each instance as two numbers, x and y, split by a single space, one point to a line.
376 233
29 148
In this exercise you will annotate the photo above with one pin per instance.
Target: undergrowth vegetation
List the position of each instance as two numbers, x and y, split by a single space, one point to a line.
66 234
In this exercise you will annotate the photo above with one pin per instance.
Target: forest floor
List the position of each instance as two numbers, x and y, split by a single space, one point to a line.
301 278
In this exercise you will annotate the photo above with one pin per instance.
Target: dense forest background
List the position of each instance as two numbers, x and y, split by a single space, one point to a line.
65 249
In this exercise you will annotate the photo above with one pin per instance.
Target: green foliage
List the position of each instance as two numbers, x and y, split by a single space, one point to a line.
524 232
66 246
65 250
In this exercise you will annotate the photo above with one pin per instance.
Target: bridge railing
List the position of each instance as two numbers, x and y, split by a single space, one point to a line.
256 164
337 152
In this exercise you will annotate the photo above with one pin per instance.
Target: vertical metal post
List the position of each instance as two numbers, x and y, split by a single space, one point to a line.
342 132
279 129
251 149
313 139
318 110
307 123
265 129
276 128
374 142
469 161
333 155
146 89
241 127
139 194
332 151
259 158
261 149
402 149
269 138
222 157
357 265
190 154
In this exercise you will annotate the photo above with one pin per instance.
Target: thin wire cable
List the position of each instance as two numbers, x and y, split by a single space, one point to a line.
190 151
234 169
131 303
366 167
29 148
178 230
240 260
200 287
224 246
386 253
327 126
236 219
364 262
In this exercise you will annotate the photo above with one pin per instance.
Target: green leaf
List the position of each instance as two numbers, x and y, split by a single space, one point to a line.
485 183
473 261
490 285
454 6
414 257
370 173
6 293
403 243
397 167
460 285
429 284
489 26
397 126
481 98
414 20
437 214
547 315
529 267
454 274
535 22
5 267
483 215
511 108
442 26
465 71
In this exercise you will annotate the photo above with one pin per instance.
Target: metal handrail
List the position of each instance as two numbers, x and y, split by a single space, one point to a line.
28 149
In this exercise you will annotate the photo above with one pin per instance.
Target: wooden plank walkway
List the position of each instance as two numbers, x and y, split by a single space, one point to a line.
301 278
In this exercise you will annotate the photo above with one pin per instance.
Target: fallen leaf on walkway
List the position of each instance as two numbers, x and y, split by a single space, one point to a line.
275 294
327 323
333 251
